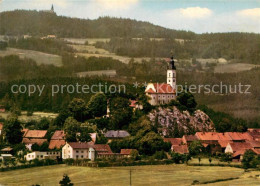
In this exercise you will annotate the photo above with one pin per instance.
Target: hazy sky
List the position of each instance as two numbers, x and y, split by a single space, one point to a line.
195 15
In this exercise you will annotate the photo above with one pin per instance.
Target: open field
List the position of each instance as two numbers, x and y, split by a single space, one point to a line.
36 116
234 67
39 57
141 175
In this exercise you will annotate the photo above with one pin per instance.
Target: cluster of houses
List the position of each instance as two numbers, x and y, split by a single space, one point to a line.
236 143
59 148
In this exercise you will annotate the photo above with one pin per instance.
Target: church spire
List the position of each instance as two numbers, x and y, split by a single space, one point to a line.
171 64
52 8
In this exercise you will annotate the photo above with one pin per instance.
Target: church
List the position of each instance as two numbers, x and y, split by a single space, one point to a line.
163 93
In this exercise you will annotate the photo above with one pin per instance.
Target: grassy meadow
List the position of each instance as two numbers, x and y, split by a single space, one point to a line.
141 175
39 57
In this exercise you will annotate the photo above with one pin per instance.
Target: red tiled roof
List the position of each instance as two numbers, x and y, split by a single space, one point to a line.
239 152
181 149
238 146
161 88
207 136
173 141
33 141
257 151
133 103
254 130
239 136
102 148
224 143
126 151
254 144
58 135
80 145
1 126
35 134
56 144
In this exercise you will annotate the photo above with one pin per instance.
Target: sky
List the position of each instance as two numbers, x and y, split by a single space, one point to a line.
199 16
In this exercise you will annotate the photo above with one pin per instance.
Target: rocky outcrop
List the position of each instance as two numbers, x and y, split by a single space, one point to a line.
172 122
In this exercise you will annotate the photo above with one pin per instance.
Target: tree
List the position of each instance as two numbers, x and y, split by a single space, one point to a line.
71 128
13 130
43 124
210 160
97 105
60 120
65 181
75 132
187 101
249 160
77 108
121 113
199 158
195 147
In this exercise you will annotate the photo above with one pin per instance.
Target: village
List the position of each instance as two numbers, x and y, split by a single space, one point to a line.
206 140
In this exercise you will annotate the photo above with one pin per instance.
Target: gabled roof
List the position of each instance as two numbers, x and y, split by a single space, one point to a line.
133 103
93 136
35 134
224 143
33 141
207 136
239 136
161 88
58 135
7 149
238 146
116 134
181 149
56 144
80 145
102 148
173 141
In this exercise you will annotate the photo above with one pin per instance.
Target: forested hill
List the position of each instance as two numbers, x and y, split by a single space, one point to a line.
20 22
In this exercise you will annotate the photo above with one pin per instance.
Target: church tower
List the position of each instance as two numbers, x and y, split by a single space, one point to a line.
52 8
171 74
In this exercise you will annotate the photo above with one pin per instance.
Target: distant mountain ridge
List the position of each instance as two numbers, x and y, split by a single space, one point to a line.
40 23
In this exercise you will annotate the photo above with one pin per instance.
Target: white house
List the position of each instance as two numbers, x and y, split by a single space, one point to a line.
163 93
78 150
42 155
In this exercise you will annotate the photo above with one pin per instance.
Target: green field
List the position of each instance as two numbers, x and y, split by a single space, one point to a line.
39 57
141 175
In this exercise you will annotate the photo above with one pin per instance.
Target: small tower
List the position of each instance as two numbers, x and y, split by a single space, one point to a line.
171 74
52 8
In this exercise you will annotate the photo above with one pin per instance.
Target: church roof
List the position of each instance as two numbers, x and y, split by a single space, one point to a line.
161 88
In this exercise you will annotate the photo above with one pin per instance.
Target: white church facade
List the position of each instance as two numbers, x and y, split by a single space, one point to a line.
163 93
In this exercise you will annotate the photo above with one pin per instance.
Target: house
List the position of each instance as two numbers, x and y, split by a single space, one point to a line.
237 149
126 152
93 137
135 105
78 150
116 134
103 151
163 93
1 128
31 137
178 146
57 140
42 155
6 153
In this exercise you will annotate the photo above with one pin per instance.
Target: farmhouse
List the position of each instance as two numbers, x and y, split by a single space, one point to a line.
57 140
77 150
42 155
31 137
163 93
178 145
6 153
